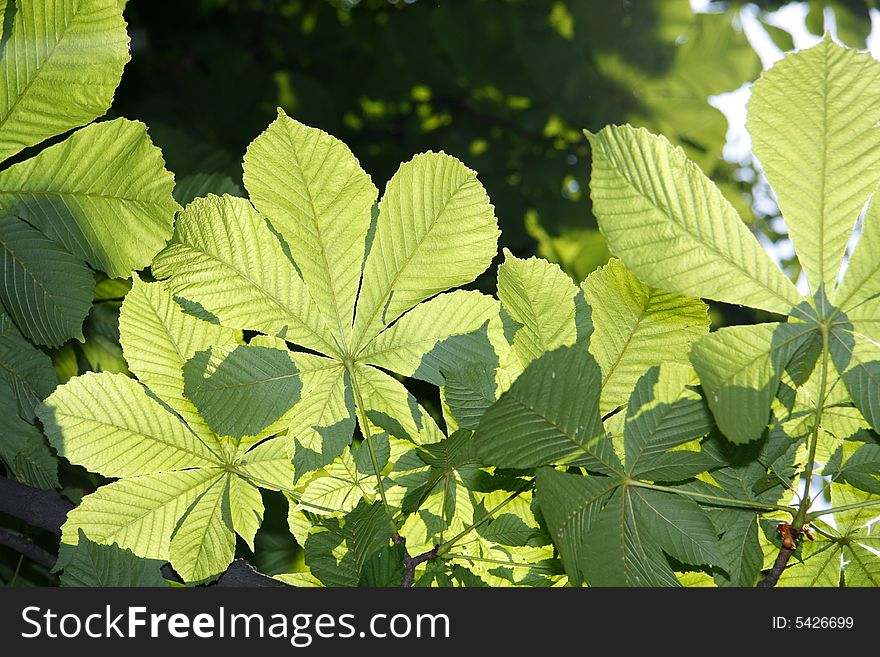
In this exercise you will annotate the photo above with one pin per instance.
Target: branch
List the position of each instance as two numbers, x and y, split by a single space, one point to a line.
47 510
242 574
411 563
776 571
28 548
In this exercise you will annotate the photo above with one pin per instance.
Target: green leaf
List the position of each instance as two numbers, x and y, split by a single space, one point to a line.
740 369
240 390
469 392
158 338
24 450
109 424
444 333
633 324
740 550
812 124
267 465
861 282
509 529
42 68
549 415
384 569
841 548
436 230
392 409
322 422
672 227
541 299
317 196
225 257
862 566
664 411
47 291
103 193
862 469
101 349
95 565
203 545
338 550
677 465
678 525
855 521
857 359
340 487
617 551
25 371
245 509
141 513
819 566
26 377
609 534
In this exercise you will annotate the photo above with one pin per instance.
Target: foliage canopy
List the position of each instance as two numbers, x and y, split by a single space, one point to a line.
303 340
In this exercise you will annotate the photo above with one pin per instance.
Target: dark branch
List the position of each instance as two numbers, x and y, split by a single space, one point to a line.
28 548
47 510
241 573
410 563
776 571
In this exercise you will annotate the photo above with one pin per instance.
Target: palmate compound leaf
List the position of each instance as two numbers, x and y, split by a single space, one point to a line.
650 200
832 90
634 525
610 534
183 492
282 269
822 183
